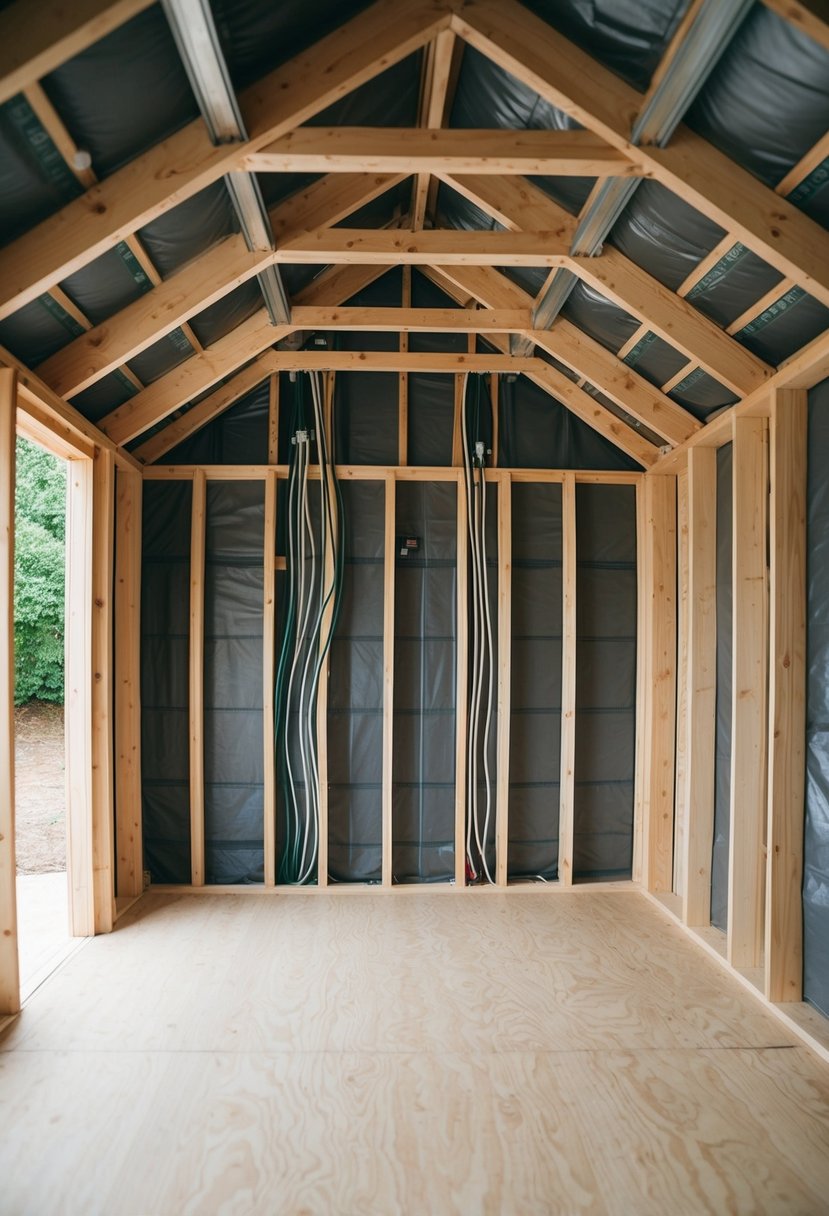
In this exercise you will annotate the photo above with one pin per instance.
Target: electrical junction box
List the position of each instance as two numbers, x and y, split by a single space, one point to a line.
408 546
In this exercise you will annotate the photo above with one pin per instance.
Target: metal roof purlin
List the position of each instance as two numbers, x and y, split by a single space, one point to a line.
194 31
708 36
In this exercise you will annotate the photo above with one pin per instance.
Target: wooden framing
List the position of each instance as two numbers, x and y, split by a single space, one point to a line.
144 189
129 877
529 152
78 694
489 167
196 679
783 942
268 678
37 38
656 716
461 682
681 764
9 976
504 677
388 674
103 827
749 697
569 635
701 683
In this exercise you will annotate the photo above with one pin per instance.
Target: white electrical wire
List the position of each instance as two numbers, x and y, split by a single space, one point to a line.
490 657
306 644
297 574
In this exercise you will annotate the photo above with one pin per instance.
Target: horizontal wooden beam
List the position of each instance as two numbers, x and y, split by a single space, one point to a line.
570 79
201 283
407 320
178 167
37 36
450 247
408 150
510 201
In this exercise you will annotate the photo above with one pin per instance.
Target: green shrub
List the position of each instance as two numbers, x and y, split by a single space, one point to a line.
40 501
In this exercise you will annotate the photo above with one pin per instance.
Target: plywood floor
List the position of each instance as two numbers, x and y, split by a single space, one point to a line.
421 1053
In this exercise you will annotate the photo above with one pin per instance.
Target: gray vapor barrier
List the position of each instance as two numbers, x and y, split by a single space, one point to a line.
722 761
425 597
816 840
233 676
535 721
165 642
355 694
606 615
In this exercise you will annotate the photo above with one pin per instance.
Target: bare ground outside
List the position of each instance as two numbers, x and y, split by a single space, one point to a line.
40 830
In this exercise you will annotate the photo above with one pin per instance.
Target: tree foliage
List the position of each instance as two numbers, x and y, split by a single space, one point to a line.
40 502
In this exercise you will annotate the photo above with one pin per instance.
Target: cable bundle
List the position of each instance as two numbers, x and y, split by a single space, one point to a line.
480 709
314 572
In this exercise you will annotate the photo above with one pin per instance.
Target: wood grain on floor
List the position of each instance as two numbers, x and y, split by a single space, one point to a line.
423 1055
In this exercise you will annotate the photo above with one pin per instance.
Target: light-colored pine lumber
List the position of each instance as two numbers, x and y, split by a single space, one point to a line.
701 686
681 767
749 729
78 697
783 954
103 818
504 677
569 633
127 675
268 678
388 677
196 677
657 573
9 971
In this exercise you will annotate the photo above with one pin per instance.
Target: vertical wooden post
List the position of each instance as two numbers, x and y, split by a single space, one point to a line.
702 685
680 811
566 823
644 654
78 697
388 676
128 842
504 675
658 709
322 690
268 677
493 395
457 431
273 418
461 683
403 381
9 970
787 697
103 817
746 868
197 569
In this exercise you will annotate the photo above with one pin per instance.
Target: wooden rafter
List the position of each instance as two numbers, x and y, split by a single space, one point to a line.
199 284
565 391
441 63
406 150
37 36
180 166
582 355
530 49
626 284
223 358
